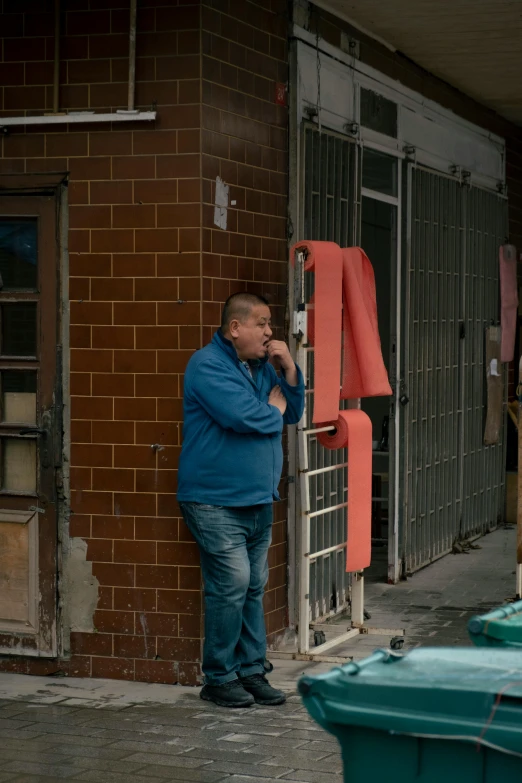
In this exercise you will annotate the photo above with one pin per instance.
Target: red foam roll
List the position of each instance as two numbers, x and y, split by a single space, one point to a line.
325 259
354 431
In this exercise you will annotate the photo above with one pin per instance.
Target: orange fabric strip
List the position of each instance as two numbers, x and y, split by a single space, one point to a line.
354 431
325 259
364 373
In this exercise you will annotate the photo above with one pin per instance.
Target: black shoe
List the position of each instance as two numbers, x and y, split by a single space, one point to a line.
230 694
261 690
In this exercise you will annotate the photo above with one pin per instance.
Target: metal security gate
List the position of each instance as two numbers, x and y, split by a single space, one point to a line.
483 466
329 206
453 483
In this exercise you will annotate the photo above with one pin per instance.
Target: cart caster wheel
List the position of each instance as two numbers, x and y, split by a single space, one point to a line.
397 643
319 638
367 615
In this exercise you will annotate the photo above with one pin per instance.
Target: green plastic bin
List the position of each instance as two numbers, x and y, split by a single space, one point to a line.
500 628
432 715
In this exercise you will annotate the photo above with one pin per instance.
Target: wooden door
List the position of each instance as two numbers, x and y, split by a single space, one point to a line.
30 424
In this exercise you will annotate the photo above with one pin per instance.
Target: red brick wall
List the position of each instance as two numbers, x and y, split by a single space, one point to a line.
149 272
134 251
245 142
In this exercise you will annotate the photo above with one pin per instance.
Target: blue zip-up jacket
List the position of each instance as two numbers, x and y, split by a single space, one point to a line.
232 453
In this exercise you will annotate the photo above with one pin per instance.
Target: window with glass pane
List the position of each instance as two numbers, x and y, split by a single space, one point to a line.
19 329
19 465
378 113
18 254
379 172
18 396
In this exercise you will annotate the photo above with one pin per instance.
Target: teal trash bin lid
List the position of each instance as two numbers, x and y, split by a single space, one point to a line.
467 694
502 626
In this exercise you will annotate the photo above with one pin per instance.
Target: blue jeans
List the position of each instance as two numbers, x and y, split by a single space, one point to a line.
233 543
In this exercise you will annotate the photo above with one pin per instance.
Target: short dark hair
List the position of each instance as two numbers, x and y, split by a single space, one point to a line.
239 306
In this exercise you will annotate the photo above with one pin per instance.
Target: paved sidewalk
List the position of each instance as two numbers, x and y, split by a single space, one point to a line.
103 730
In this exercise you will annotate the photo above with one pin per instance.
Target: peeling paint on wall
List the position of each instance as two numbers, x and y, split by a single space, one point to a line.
80 587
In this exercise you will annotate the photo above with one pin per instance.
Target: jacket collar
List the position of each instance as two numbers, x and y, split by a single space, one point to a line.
228 347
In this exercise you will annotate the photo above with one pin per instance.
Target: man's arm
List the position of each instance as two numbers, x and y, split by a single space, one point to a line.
291 381
227 401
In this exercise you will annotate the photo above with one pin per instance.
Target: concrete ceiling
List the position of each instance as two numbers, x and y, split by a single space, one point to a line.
474 45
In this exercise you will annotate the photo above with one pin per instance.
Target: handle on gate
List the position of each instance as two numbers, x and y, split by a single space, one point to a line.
33 431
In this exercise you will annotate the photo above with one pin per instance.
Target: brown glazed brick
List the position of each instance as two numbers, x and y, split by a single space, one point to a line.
156 289
160 624
136 599
135 409
154 142
80 526
156 480
134 457
183 601
170 410
110 192
87 455
140 168
79 288
92 408
113 527
110 142
113 668
134 313
164 432
178 166
91 313
111 95
172 362
117 290
112 337
137 503
81 478
90 265
83 502
164 240
24 146
178 553
156 191
153 529
134 216
157 385
134 265
135 551
134 361
188 141
179 649
111 384
114 574
156 337
134 647
79 241
91 643
113 241
113 480
178 215
114 622
157 577
81 431
156 671
186 264
99 550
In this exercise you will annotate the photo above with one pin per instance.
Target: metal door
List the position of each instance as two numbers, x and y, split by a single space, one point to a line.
29 416
453 483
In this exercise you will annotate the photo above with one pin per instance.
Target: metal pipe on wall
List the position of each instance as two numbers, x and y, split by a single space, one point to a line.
56 79
132 55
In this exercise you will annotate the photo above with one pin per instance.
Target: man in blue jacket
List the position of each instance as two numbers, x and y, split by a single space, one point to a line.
235 407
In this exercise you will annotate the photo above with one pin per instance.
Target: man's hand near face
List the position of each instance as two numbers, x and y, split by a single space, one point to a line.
278 399
279 355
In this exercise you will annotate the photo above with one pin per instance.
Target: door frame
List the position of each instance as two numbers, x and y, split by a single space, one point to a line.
46 195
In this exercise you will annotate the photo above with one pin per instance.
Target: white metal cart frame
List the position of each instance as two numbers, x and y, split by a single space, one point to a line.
304 513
